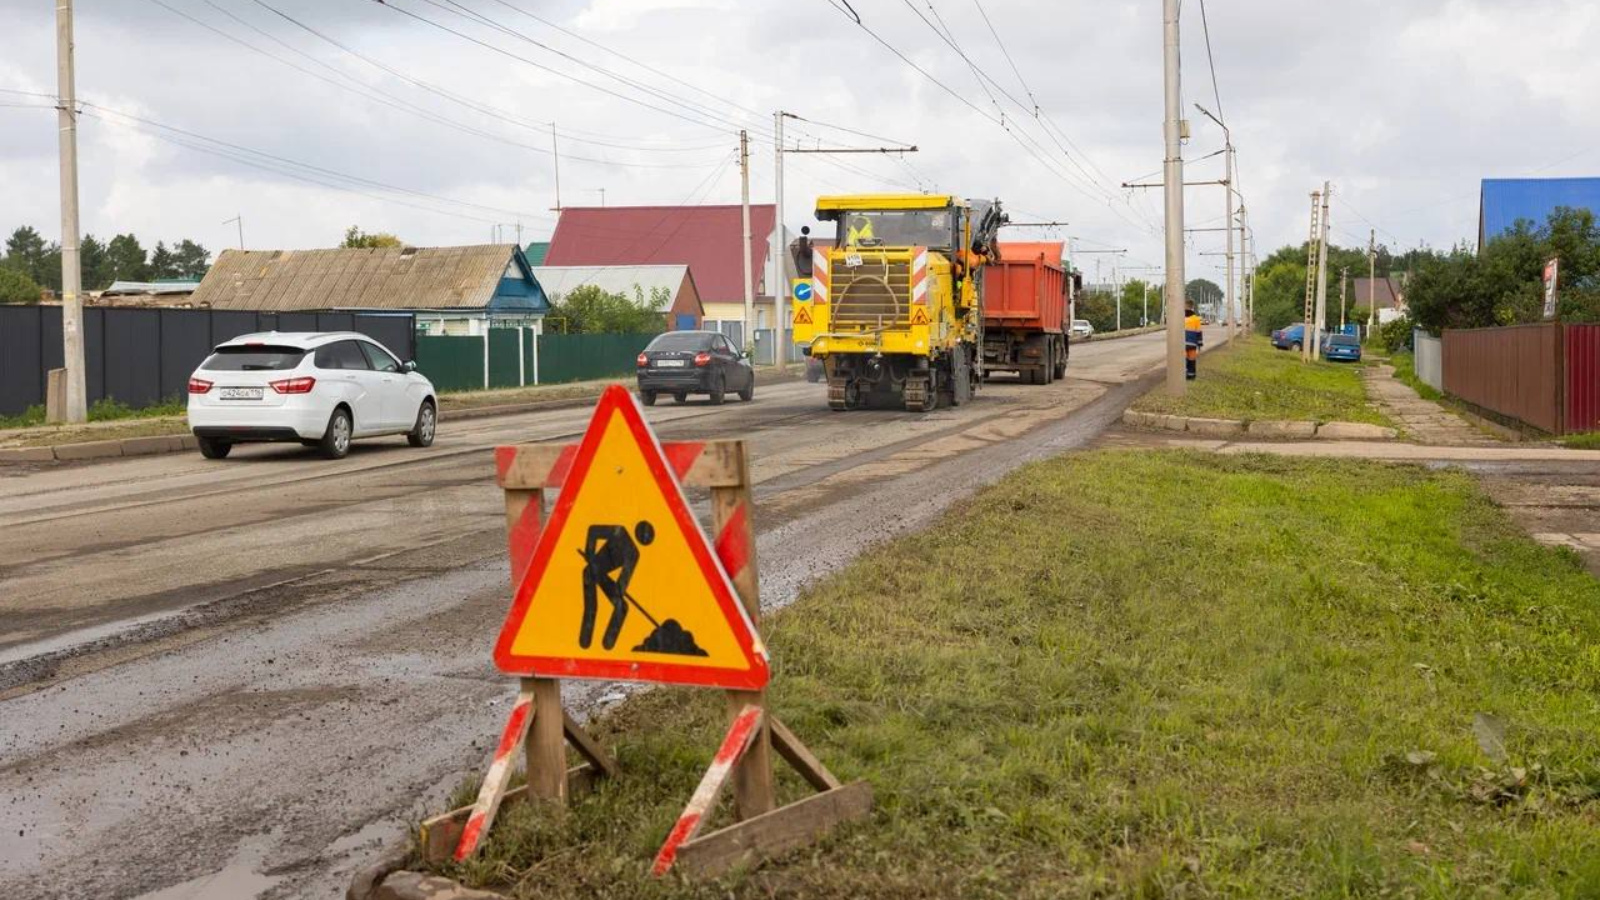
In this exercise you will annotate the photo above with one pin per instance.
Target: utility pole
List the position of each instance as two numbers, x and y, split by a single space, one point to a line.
1344 279
1322 273
555 153
1372 282
748 338
239 219
1172 179
1309 316
1227 208
780 287
77 405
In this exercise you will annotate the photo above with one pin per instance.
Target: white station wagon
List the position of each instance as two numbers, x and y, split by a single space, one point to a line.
322 389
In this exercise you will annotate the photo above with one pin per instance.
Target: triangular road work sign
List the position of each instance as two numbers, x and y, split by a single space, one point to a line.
919 315
802 315
623 584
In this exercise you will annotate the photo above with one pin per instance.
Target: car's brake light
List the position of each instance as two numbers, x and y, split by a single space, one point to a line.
199 386
301 385
702 358
643 360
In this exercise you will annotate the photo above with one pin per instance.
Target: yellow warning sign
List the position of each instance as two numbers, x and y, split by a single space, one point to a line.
623 583
802 315
919 315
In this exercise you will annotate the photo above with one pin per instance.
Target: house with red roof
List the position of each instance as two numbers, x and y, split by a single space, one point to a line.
707 239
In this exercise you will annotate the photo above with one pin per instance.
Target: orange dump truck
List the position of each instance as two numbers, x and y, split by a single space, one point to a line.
1027 311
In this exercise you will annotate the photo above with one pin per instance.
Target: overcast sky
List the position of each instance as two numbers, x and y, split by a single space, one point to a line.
1403 105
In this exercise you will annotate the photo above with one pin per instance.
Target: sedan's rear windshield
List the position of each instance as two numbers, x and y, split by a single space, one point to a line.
259 358
681 340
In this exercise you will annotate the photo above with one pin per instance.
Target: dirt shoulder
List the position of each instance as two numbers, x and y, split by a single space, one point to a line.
1240 675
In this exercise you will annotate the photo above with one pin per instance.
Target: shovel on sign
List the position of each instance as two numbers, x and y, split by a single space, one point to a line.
665 637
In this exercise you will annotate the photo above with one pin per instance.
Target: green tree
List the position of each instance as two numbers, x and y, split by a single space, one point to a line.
590 310
28 252
190 260
16 287
355 237
1203 292
95 263
162 264
128 259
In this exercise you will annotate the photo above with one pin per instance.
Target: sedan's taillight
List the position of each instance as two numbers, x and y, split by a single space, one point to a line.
643 360
702 358
294 385
199 386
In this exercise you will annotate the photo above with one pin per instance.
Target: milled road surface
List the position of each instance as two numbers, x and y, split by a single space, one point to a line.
240 678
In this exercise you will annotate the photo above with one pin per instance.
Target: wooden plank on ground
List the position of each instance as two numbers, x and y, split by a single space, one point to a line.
775 833
588 747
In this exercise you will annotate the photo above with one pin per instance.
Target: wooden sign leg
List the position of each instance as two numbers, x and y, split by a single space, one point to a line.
736 547
499 775
547 745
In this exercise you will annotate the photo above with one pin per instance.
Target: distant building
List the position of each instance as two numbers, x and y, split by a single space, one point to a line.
536 252
1387 294
683 311
452 290
147 293
705 238
1506 201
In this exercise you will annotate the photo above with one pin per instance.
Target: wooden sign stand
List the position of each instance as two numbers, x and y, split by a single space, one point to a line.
538 720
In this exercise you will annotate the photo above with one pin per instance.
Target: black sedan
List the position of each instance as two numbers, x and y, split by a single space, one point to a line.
681 363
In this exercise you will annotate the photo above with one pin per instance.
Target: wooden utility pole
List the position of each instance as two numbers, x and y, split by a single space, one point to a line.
1172 182
77 405
747 340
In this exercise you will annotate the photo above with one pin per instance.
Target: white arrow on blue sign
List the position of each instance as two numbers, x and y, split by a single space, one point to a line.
802 291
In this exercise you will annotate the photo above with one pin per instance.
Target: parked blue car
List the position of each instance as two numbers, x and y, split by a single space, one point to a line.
1291 338
1341 348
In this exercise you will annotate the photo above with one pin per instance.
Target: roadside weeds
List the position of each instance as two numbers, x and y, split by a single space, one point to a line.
1154 673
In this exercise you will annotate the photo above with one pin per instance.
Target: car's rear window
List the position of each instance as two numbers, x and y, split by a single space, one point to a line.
254 358
681 340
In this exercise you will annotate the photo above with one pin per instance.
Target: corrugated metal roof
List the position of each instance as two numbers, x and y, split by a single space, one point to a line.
705 238
536 252
151 287
1504 201
356 278
559 280
1385 292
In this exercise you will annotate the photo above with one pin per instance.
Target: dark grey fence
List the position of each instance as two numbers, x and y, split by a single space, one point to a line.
143 356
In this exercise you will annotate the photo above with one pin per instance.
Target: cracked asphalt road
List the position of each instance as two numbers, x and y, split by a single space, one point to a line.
240 678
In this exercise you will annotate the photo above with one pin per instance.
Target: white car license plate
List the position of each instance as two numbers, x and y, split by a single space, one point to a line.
241 393
675 363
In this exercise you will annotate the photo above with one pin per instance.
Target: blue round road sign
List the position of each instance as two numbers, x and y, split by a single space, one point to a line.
802 291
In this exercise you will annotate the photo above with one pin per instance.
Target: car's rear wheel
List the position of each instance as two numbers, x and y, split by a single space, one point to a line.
215 448
421 434
648 398
335 443
1295 346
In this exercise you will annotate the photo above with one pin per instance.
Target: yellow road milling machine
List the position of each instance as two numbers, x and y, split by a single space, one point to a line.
895 308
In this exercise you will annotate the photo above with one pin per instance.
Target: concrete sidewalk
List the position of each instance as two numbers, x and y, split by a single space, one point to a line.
1390 451
1423 421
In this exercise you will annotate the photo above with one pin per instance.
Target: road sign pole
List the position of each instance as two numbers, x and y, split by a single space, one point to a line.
730 511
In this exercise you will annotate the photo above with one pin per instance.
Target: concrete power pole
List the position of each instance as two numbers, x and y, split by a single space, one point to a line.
779 287
1172 182
1322 274
748 338
77 405
1344 280
555 157
1372 282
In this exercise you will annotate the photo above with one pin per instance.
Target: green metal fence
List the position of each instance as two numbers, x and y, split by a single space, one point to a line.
578 357
452 363
455 363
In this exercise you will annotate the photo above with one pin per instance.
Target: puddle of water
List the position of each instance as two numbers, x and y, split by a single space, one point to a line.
238 880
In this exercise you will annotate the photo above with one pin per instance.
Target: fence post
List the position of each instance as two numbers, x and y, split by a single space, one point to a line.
1561 377
522 372
486 352
538 331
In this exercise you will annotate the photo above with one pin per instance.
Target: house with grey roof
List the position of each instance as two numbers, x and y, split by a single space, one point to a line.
451 290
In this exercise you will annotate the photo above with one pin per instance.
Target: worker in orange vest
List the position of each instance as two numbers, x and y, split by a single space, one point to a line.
1193 338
